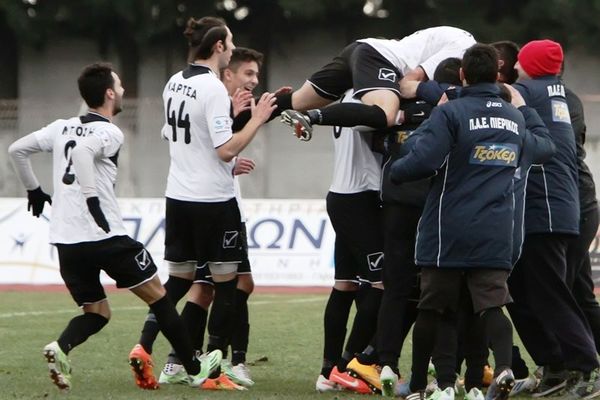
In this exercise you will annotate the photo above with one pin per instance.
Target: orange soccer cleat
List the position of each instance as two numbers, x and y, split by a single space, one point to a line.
221 383
143 368
348 382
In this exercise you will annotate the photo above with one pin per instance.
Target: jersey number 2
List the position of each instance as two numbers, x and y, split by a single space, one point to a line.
68 178
180 121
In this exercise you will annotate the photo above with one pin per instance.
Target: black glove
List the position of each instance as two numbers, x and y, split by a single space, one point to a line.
36 199
416 112
93 204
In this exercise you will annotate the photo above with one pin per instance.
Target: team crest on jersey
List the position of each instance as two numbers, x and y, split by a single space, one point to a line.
495 154
143 259
560 111
386 74
230 239
375 261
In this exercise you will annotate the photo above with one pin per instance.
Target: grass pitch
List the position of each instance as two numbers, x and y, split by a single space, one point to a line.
286 331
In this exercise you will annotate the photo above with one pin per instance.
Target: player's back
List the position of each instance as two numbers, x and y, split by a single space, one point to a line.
71 221
425 48
197 121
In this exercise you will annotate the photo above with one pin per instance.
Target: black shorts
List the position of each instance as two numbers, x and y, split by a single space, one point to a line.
356 219
122 258
203 232
203 274
360 67
441 288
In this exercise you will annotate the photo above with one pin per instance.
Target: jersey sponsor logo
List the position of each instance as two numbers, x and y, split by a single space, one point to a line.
560 111
386 74
495 154
143 259
375 261
222 124
230 239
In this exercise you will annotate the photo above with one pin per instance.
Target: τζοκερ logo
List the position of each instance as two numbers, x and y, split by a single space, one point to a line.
495 154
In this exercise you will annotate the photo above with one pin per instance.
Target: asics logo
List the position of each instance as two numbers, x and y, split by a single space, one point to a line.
386 74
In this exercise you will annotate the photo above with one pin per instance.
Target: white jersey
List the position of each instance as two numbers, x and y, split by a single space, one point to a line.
71 222
197 110
356 168
425 48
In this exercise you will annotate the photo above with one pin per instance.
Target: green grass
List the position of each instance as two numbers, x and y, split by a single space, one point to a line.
286 329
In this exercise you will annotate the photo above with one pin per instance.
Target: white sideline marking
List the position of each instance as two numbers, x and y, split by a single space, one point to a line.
74 310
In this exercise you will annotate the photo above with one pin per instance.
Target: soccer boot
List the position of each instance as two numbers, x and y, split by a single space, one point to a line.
348 382
551 382
389 380
587 386
368 373
439 394
210 363
324 385
58 365
526 385
501 386
238 379
474 394
300 122
243 372
143 368
488 376
222 382
173 374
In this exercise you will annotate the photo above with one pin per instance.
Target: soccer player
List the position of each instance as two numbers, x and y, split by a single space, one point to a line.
87 228
240 78
373 68
354 209
203 222
551 222
473 143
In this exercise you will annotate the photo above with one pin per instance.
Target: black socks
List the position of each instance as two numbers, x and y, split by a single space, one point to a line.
349 114
79 329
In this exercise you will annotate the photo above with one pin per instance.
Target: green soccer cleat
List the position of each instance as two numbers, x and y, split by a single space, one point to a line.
209 364
58 365
389 380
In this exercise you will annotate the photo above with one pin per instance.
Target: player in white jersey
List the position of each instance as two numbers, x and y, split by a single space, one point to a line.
87 228
373 68
354 210
240 77
203 221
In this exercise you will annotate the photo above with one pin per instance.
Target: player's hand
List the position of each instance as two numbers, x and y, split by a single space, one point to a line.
35 201
516 99
265 106
243 166
93 204
283 90
408 88
241 100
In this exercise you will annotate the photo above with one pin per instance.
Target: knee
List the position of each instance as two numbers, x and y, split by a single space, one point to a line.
345 286
202 294
245 283
101 308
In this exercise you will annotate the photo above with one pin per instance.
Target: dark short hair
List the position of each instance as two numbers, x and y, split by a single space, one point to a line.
202 34
507 52
480 64
504 92
93 82
448 71
244 54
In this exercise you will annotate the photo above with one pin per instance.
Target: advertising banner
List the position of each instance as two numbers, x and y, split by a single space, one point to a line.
290 241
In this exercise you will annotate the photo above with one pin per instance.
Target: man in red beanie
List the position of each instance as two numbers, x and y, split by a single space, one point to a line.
551 222
541 58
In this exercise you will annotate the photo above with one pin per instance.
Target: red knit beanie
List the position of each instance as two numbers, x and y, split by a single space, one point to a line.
541 57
